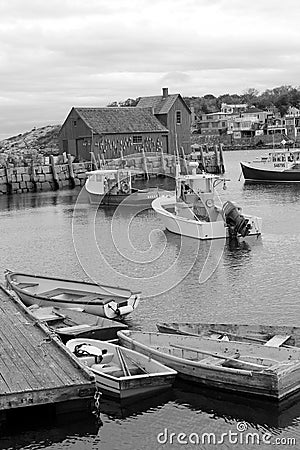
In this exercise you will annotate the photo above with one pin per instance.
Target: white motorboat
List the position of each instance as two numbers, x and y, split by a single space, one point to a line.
107 187
193 211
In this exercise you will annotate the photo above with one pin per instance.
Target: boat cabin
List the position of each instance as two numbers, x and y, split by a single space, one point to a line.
195 195
280 158
112 181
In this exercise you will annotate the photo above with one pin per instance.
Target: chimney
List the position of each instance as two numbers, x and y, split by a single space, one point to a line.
165 92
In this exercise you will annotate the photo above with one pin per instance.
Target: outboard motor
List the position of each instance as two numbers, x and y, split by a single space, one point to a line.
236 222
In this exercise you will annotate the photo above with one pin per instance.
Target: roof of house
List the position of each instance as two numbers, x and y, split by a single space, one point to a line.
253 110
160 104
120 120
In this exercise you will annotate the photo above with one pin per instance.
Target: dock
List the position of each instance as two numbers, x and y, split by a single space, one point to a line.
35 367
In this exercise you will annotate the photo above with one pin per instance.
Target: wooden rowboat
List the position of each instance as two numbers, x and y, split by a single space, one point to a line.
120 372
272 335
235 366
101 300
70 324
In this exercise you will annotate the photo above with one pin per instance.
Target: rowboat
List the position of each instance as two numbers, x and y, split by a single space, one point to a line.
101 300
70 323
251 369
193 211
272 335
280 166
120 372
108 187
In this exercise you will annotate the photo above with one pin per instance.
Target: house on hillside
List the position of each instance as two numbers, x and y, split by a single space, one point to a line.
112 132
174 114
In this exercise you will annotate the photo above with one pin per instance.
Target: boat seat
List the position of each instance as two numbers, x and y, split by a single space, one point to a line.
212 360
51 293
90 360
93 297
115 371
26 285
73 328
219 361
277 340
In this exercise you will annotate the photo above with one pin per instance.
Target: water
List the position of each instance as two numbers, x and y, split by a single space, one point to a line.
59 234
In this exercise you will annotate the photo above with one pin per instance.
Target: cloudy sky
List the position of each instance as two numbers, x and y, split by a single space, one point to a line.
64 53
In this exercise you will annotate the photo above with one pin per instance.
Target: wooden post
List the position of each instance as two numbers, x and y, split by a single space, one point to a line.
99 160
222 166
103 159
54 173
217 165
93 160
184 161
203 162
71 171
163 161
145 164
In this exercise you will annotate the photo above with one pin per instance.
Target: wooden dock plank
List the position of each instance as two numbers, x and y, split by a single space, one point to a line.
35 367
47 366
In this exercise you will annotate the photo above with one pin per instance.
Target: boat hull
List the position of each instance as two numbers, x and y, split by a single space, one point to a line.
138 199
251 173
70 324
198 229
234 332
101 300
158 376
272 384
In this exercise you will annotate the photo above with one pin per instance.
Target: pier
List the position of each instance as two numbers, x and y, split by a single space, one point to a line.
35 367
52 176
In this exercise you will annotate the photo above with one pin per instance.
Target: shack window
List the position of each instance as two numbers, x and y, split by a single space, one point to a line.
178 117
137 139
75 123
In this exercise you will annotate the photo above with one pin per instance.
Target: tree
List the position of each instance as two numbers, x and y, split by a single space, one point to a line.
250 96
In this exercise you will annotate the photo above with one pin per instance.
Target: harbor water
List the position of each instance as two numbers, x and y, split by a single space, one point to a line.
256 281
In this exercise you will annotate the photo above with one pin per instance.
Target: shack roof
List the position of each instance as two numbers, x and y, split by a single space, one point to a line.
120 120
159 103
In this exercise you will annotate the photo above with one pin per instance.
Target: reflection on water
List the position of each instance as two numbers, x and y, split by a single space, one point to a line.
256 281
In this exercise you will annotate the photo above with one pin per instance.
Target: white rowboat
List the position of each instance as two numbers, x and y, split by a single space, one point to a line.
120 372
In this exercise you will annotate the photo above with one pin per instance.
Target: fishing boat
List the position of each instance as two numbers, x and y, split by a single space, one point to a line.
101 300
120 372
114 187
70 323
193 211
280 166
252 369
272 335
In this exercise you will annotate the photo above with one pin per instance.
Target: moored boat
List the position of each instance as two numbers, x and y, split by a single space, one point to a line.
272 335
193 211
280 166
121 372
101 300
235 366
70 323
107 187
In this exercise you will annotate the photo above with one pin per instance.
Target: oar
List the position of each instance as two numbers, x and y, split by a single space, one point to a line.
123 363
136 364
220 356
240 176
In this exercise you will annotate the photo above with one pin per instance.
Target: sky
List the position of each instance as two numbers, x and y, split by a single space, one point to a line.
64 53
